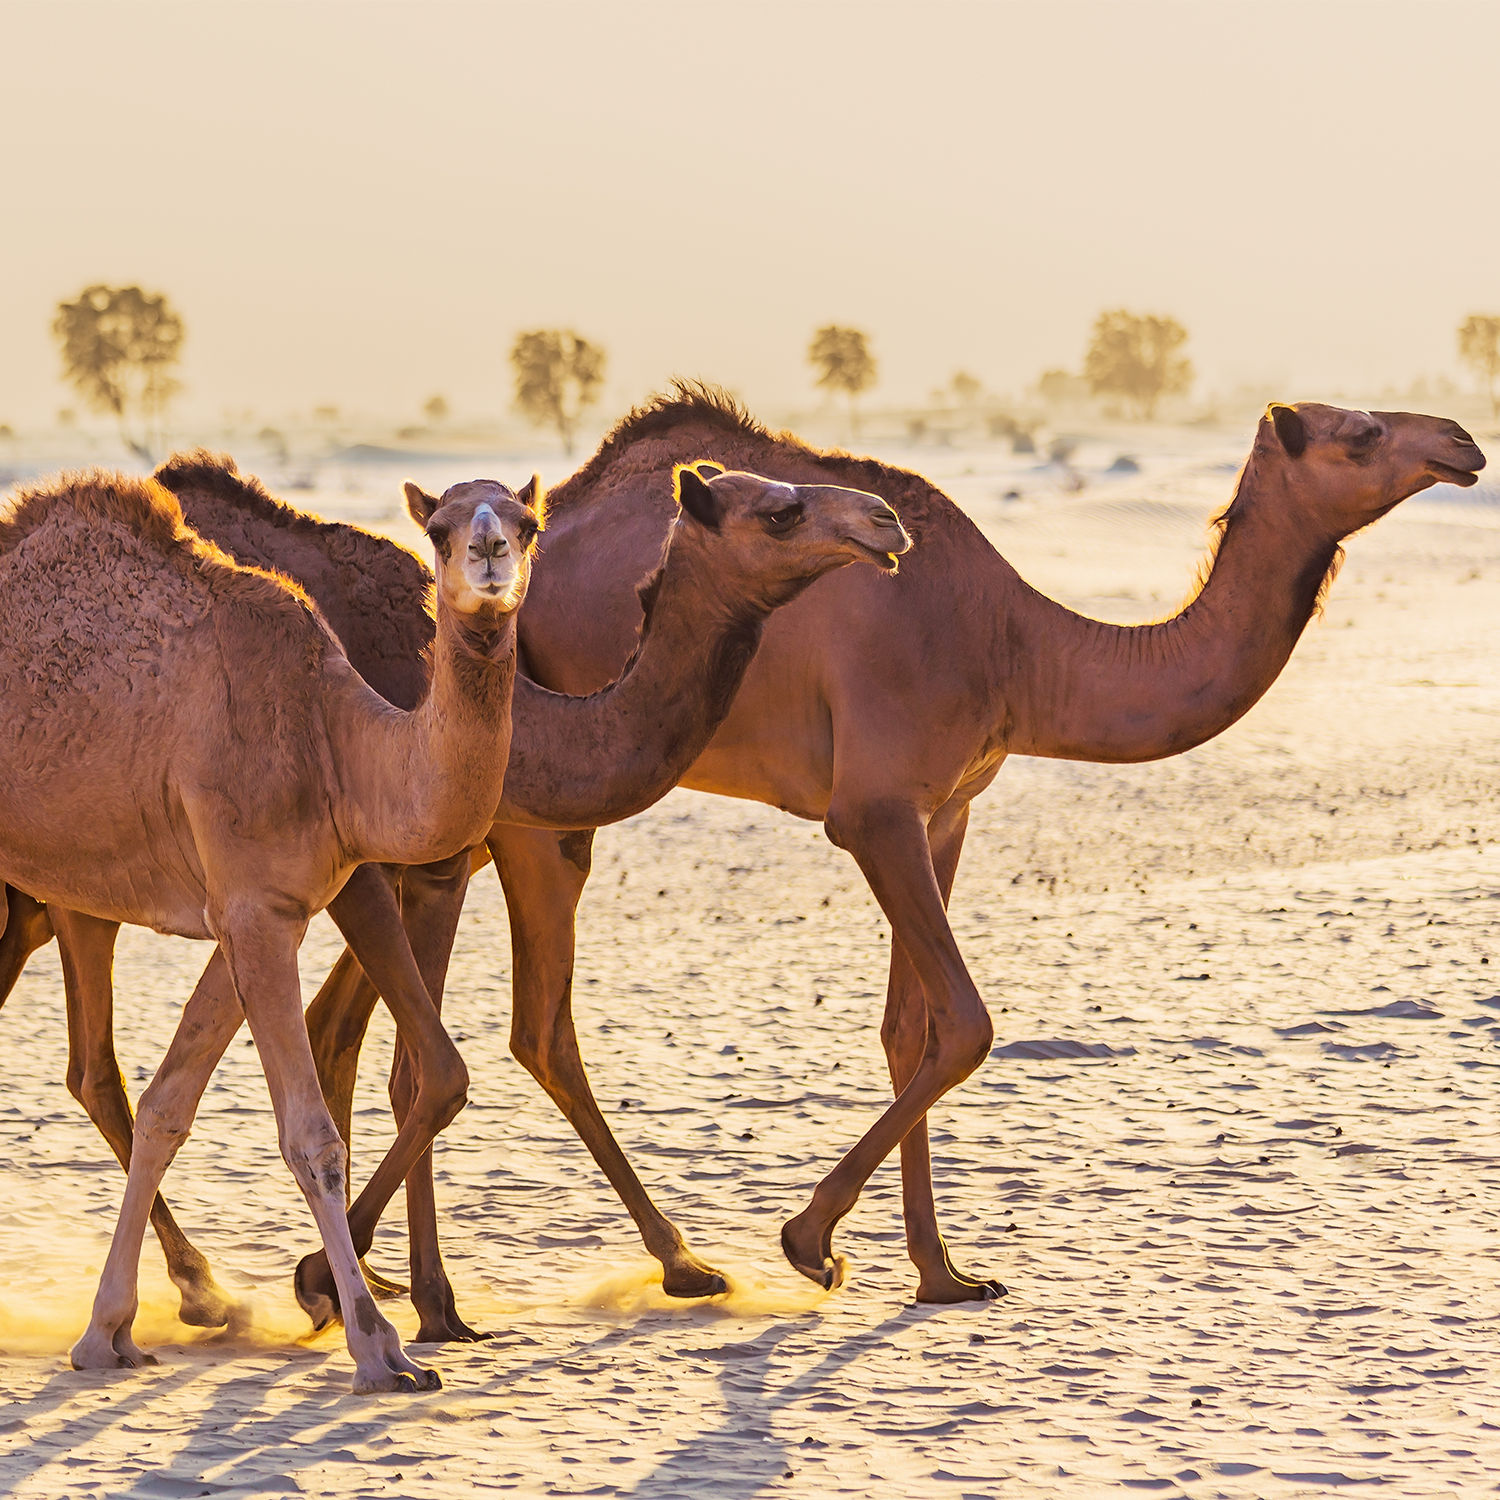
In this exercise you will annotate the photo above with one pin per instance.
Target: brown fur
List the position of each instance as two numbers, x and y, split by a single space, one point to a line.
598 756
353 574
724 426
882 707
183 745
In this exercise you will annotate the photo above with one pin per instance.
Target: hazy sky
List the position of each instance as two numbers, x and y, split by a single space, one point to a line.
362 203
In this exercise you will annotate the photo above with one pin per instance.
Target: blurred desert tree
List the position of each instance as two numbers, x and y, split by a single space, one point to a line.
1135 357
966 388
1479 348
558 375
119 345
843 362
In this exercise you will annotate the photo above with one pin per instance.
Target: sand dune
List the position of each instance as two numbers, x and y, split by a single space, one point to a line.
1234 1153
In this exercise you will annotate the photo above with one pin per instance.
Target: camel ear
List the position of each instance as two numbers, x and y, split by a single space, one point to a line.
419 504
707 469
1290 429
695 497
534 497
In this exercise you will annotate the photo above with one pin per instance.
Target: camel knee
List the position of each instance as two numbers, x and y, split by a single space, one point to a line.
318 1160
441 1091
161 1124
528 1048
965 1042
98 1088
546 1051
903 1029
448 1089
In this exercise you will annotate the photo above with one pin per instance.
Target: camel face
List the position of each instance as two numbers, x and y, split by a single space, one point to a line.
792 531
1354 466
482 536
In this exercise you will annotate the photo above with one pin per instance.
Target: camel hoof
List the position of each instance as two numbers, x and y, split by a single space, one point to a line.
382 1288
829 1273
319 1305
700 1282
962 1289
208 1307
87 1354
397 1382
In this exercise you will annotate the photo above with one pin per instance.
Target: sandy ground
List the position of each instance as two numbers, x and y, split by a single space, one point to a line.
1234 1152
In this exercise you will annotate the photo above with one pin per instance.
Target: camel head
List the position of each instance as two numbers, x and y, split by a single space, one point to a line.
482 536
1350 467
782 536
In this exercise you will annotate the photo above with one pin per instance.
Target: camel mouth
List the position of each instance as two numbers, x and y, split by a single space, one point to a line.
1446 474
885 560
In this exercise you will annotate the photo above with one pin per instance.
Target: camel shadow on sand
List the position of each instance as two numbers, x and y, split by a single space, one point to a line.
232 1443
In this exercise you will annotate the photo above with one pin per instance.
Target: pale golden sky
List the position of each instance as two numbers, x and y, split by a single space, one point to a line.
362 202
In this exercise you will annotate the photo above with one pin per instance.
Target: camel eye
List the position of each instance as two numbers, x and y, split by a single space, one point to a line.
1364 441
527 531
438 535
785 518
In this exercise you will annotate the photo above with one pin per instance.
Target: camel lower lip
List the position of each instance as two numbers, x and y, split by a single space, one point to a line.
1461 477
881 557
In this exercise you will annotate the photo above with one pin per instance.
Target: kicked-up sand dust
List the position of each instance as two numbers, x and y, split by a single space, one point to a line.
1235 1153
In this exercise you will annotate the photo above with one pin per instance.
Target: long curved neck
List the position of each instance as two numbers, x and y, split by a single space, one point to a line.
1130 693
426 782
581 762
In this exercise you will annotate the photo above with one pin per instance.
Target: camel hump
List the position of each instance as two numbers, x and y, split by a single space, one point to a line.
141 506
703 426
372 591
708 409
101 578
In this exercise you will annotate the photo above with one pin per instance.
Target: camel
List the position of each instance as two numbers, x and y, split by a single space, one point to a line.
886 736
184 745
889 759
745 548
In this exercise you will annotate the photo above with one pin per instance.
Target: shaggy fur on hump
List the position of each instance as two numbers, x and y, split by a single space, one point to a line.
375 595
151 513
217 475
699 405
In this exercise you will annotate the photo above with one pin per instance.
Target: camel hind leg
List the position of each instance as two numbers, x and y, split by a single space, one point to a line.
544 874
86 946
25 926
888 838
903 1033
370 919
209 1022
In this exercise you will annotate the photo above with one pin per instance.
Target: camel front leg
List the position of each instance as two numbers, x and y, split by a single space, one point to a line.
543 875
261 950
25 926
86 946
903 1033
367 914
337 1020
432 900
209 1022
888 839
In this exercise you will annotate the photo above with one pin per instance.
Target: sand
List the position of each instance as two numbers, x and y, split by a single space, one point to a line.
1234 1153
